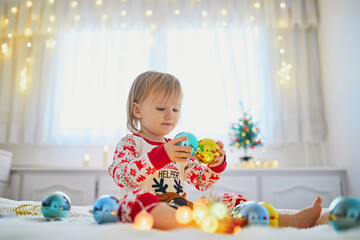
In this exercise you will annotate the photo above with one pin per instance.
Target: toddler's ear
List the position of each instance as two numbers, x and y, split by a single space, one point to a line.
136 110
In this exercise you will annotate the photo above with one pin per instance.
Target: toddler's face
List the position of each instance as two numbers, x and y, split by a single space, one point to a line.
159 116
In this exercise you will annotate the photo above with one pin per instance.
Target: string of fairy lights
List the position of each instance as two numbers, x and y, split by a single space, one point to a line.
283 73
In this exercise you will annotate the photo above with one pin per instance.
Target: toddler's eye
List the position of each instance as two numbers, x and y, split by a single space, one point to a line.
160 109
175 110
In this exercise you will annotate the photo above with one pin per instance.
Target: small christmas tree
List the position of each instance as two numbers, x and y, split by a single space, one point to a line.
245 134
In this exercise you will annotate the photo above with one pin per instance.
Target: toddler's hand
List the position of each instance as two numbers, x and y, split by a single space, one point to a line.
177 153
219 159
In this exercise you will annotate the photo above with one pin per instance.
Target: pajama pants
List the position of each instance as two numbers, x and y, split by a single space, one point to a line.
135 201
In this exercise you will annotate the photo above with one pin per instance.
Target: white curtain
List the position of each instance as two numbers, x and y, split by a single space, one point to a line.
66 67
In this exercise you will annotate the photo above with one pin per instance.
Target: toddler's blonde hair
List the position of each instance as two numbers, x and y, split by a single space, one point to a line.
147 84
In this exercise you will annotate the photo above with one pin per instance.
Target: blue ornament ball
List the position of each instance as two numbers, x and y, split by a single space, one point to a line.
191 141
345 213
255 213
105 209
56 205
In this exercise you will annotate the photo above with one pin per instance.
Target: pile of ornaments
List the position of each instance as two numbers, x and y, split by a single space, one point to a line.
206 213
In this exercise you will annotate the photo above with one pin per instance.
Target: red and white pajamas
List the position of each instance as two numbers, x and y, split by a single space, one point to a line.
142 169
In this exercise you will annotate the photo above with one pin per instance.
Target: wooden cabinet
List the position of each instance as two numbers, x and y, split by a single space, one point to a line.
283 188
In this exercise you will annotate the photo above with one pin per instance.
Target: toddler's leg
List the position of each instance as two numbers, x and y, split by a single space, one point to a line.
134 202
164 217
162 213
305 218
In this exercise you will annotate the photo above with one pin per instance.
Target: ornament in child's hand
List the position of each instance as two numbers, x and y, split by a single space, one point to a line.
207 151
191 141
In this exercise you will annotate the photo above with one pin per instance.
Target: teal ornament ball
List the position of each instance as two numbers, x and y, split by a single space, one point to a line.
56 205
255 213
190 142
105 209
345 213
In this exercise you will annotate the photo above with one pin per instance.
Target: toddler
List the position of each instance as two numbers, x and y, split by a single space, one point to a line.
151 169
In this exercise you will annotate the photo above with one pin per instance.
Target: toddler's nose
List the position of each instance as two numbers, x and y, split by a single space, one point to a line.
169 114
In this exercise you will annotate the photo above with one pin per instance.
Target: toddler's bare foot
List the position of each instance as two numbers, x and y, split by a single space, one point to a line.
305 218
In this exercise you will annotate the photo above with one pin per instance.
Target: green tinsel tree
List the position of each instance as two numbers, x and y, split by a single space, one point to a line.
245 134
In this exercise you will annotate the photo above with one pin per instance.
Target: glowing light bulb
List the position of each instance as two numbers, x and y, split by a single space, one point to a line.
28 44
209 224
257 5
275 163
218 210
148 13
204 13
52 18
14 10
143 221
153 27
24 79
10 35
279 37
200 210
99 2
283 5
282 51
29 3
183 215
74 4
266 164
77 18
27 32
200 202
4 48
123 13
50 43
224 12
252 18
177 12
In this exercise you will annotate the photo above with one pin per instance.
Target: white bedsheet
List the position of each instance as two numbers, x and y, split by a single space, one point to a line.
80 225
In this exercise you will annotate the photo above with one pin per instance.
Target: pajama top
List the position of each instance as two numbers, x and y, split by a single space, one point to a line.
142 164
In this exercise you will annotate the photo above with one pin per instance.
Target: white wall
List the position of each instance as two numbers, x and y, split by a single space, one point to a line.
339 43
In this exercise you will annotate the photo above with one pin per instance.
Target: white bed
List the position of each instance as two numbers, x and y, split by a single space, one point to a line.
80 225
